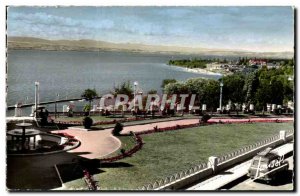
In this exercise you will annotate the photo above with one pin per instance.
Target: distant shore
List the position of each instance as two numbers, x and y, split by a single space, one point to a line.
197 70
31 43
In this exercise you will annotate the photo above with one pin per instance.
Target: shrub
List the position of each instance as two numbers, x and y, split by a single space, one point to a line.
123 151
87 122
118 128
87 108
205 118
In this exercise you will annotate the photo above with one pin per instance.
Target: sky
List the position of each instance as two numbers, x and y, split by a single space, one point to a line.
258 29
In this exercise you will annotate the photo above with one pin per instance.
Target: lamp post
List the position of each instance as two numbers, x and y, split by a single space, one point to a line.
135 84
36 101
291 78
221 91
57 98
26 100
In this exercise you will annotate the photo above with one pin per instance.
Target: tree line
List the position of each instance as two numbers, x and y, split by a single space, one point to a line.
261 87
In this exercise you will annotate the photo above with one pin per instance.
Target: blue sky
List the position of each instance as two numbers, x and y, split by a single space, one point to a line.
259 29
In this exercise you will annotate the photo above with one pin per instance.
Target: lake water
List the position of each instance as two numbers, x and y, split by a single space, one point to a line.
68 73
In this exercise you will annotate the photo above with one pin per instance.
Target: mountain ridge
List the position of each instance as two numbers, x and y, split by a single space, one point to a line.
33 43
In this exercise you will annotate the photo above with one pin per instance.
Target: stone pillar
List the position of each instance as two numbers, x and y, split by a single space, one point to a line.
251 107
124 108
269 108
228 106
203 107
18 111
243 107
273 107
65 108
282 135
213 162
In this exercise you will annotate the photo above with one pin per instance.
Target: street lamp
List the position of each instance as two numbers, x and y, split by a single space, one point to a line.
135 84
221 91
36 101
57 98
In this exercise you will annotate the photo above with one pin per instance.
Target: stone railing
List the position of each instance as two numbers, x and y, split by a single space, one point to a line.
175 177
204 170
246 149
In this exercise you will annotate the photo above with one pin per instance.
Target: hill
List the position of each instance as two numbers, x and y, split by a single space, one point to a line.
31 43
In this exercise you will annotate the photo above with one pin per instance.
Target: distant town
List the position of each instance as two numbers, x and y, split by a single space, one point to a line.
227 67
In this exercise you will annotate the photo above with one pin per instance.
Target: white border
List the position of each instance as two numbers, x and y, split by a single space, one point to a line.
3 4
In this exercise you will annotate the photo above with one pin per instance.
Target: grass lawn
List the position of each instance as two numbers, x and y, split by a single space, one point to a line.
167 153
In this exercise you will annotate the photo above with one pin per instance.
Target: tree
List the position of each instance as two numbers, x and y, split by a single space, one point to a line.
89 95
211 93
117 129
197 86
152 91
250 87
124 88
87 122
233 89
263 94
207 90
274 87
167 81
176 88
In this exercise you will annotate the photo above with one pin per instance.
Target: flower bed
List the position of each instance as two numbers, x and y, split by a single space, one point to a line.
71 142
137 147
89 180
172 128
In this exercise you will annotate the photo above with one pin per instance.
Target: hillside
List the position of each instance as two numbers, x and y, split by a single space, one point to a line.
30 43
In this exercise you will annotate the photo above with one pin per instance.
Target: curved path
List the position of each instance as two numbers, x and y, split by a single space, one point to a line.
96 144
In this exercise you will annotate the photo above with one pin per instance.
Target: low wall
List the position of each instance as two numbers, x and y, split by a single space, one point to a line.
51 138
202 171
228 163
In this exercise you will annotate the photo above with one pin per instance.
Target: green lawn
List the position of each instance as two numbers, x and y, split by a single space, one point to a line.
167 153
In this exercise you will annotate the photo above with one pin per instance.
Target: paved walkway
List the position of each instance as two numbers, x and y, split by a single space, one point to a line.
94 144
97 144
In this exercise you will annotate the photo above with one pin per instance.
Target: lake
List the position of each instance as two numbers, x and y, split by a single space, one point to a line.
68 73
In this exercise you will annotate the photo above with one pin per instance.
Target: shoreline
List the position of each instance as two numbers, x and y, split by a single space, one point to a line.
197 70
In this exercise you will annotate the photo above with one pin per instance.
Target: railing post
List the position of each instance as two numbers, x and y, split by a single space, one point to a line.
18 110
213 162
282 135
